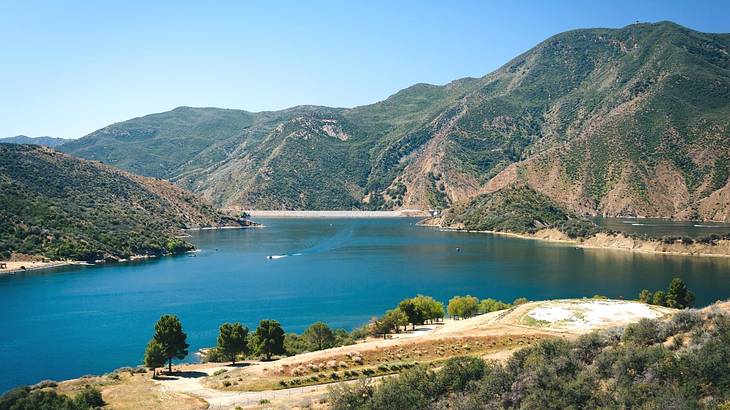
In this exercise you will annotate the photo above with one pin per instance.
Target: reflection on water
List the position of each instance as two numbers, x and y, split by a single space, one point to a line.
100 318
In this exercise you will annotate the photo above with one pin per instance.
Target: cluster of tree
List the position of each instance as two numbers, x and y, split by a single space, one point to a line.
677 296
318 336
462 307
170 342
234 340
652 364
414 311
27 398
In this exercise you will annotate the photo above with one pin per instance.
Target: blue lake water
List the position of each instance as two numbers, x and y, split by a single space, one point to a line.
88 320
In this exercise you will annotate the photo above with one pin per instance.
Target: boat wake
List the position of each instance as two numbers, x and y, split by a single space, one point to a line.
283 256
325 245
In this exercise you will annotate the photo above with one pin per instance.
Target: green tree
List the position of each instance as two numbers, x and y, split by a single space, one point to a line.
660 298
678 296
463 306
294 344
414 315
428 307
169 334
269 338
232 340
343 338
382 326
492 305
319 336
645 296
396 318
154 356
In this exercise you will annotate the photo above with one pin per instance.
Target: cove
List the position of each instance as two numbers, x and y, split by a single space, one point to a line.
78 320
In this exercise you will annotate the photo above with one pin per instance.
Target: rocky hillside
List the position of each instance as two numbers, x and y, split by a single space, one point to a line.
61 207
631 121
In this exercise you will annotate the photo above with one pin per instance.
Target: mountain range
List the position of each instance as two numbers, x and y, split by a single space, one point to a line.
45 141
616 122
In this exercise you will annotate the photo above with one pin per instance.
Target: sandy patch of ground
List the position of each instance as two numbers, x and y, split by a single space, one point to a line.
588 315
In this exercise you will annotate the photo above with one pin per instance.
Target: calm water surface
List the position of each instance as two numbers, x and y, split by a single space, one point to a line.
88 320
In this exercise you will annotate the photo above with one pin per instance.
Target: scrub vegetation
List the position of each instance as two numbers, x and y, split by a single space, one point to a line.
59 207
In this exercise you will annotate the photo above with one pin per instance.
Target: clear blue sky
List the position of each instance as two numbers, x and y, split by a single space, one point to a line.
70 67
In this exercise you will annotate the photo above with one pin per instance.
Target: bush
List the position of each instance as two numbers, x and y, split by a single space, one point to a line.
413 389
460 371
214 355
519 301
645 332
26 398
350 395
89 397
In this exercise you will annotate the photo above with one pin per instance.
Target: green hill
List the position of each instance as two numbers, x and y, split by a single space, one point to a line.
631 121
22 139
61 207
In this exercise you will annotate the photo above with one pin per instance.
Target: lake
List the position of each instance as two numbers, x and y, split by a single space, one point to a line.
76 320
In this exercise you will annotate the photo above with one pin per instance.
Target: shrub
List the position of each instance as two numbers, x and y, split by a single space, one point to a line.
519 301
89 397
459 371
644 332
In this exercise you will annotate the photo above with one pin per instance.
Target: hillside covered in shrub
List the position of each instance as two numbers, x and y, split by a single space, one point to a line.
681 363
60 207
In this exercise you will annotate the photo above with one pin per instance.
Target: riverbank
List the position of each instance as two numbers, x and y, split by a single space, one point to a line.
720 248
338 214
13 267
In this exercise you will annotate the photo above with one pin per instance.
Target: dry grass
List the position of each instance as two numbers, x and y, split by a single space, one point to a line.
370 362
133 391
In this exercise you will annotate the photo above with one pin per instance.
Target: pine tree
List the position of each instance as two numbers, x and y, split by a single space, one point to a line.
269 338
232 340
169 334
154 356
678 296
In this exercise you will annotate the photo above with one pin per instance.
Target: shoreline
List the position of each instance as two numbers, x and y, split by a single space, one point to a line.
57 264
217 228
636 245
14 267
338 214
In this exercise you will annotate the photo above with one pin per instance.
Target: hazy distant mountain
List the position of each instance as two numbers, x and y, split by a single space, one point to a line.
631 121
22 139
61 207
